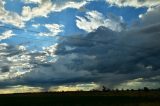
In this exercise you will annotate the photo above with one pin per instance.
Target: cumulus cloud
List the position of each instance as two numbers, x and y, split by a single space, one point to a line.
134 3
95 19
6 35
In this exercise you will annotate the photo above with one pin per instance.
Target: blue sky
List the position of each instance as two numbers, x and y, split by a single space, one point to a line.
67 17
60 36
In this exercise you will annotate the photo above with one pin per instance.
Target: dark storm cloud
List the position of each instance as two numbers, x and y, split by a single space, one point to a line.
4 69
103 56
155 28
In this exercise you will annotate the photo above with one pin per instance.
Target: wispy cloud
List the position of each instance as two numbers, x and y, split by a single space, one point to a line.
95 19
54 29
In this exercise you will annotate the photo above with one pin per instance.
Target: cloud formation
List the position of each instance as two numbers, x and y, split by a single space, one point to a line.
106 55
14 61
95 19
44 8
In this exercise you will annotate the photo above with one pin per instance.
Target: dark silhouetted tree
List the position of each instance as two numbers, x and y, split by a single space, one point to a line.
146 89
103 88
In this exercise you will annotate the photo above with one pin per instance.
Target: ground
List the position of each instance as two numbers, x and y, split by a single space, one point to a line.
96 98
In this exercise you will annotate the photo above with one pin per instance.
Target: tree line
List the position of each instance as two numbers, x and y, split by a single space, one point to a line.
105 89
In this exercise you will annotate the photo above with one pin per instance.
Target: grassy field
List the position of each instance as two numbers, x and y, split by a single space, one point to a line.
112 98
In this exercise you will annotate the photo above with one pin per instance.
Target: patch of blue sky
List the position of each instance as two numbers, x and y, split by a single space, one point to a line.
67 18
16 5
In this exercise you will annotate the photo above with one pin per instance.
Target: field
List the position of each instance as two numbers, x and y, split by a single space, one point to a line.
112 98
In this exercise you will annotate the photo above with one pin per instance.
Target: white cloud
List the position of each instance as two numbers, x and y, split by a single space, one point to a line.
50 51
19 64
32 1
70 4
10 17
134 3
54 29
22 48
46 7
95 19
41 11
6 35
3 46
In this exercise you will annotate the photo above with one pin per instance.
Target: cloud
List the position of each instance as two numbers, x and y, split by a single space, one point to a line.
10 17
54 29
14 61
95 19
152 16
50 50
6 35
46 7
42 10
134 3
99 55
140 83
33 1
126 55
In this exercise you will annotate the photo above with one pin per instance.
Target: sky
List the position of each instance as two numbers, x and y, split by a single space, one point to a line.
68 45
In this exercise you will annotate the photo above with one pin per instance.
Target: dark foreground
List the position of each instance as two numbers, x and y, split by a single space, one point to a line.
112 98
